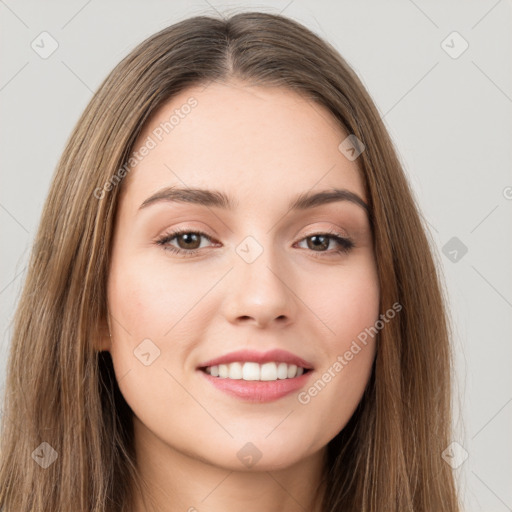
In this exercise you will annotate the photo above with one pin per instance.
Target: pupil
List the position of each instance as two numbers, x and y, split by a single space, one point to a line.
316 238
189 238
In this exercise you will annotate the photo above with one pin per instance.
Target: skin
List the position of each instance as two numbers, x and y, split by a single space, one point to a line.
262 146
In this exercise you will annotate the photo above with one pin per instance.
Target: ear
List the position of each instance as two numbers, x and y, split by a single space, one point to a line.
103 341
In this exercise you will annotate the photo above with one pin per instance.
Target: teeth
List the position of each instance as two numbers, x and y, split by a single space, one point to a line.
282 371
223 371
255 371
292 371
268 371
235 371
250 371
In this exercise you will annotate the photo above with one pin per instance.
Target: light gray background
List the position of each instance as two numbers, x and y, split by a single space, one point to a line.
450 119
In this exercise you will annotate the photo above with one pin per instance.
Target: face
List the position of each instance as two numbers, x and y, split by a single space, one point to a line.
239 329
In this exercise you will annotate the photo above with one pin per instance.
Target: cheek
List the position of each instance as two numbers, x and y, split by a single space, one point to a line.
349 311
151 307
151 300
346 304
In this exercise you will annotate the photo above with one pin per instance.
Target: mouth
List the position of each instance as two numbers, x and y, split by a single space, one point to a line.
252 371
257 377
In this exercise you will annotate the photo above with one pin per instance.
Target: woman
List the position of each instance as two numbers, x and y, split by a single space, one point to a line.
232 302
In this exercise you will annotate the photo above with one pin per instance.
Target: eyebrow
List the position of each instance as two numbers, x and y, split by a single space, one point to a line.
218 199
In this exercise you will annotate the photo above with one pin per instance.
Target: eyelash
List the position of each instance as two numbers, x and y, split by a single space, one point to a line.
346 245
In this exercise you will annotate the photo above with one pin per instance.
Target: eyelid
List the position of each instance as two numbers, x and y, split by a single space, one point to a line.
328 230
174 233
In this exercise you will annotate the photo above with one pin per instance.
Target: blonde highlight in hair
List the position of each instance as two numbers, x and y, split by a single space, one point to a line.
61 390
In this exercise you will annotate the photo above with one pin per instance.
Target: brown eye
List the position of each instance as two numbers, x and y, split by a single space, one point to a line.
186 243
189 240
318 242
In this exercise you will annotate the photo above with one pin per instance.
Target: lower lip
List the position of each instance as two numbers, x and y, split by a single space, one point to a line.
258 391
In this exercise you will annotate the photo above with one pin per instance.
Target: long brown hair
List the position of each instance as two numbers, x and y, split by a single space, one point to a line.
62 391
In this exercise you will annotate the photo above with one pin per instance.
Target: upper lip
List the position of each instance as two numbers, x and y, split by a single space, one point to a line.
276 355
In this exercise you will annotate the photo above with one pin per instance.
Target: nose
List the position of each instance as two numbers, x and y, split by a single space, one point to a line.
260 294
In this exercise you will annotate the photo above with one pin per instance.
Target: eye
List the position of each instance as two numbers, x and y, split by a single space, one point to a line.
189 242
319 241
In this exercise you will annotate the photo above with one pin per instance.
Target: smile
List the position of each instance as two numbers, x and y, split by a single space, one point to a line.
254 376
252 371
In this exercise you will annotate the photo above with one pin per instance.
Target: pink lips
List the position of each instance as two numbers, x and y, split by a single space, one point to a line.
258 391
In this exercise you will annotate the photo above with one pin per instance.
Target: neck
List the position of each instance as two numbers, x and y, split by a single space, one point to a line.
173 481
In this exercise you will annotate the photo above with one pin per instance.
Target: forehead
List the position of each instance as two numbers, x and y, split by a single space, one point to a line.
259 143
